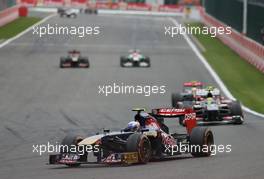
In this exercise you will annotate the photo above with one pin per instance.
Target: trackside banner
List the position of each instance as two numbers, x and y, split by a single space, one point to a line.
29 2
139 6
8 15
106 5
54 2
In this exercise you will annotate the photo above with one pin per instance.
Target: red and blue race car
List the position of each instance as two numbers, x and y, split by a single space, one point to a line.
145 138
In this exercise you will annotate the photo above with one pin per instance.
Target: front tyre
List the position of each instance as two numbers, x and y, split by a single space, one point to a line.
236 110
147 60
139 143
122 61
175 98
61 62
70 140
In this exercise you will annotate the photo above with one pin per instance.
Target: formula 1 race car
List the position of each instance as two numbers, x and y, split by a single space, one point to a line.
145 138
215 111
187 94
74 59
89 10
67 12
60 10
134 59
193 91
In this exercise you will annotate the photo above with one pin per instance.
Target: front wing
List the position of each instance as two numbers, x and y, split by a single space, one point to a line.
225 120
70 64
114 158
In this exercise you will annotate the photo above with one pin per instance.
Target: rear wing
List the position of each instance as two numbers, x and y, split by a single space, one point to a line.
193 84
74 52
188 114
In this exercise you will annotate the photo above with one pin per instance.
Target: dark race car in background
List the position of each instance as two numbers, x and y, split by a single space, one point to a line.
67 12
74 59
152 141
89 10
134 59
187 94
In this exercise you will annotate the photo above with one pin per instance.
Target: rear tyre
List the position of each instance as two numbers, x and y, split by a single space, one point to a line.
201 141
236 110
175 98
139 143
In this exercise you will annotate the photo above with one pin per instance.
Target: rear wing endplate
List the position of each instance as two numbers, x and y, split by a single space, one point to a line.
188 114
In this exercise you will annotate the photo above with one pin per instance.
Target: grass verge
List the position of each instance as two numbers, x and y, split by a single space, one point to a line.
15 27
244 81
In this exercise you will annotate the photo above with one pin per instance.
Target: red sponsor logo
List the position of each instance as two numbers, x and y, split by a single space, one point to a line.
171 110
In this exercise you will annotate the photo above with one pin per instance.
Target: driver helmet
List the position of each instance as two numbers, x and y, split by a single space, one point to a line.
209 100
194 89
133 126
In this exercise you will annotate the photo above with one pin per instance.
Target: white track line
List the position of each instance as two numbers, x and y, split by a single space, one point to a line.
25 31
212 72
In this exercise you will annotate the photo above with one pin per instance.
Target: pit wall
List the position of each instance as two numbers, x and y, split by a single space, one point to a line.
105 5
247 48
8 15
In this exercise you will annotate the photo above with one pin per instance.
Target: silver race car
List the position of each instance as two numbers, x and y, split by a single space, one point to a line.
135 59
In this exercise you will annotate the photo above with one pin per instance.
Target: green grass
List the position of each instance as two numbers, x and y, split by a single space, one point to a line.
15 27
244 81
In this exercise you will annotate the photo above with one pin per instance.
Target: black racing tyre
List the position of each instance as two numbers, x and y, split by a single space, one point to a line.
70 141
147 60
139 143
175 98
88 64
86 61
62 60
236 110
122 61
201 142
88 11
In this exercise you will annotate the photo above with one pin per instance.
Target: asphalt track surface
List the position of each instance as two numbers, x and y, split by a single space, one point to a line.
40 102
